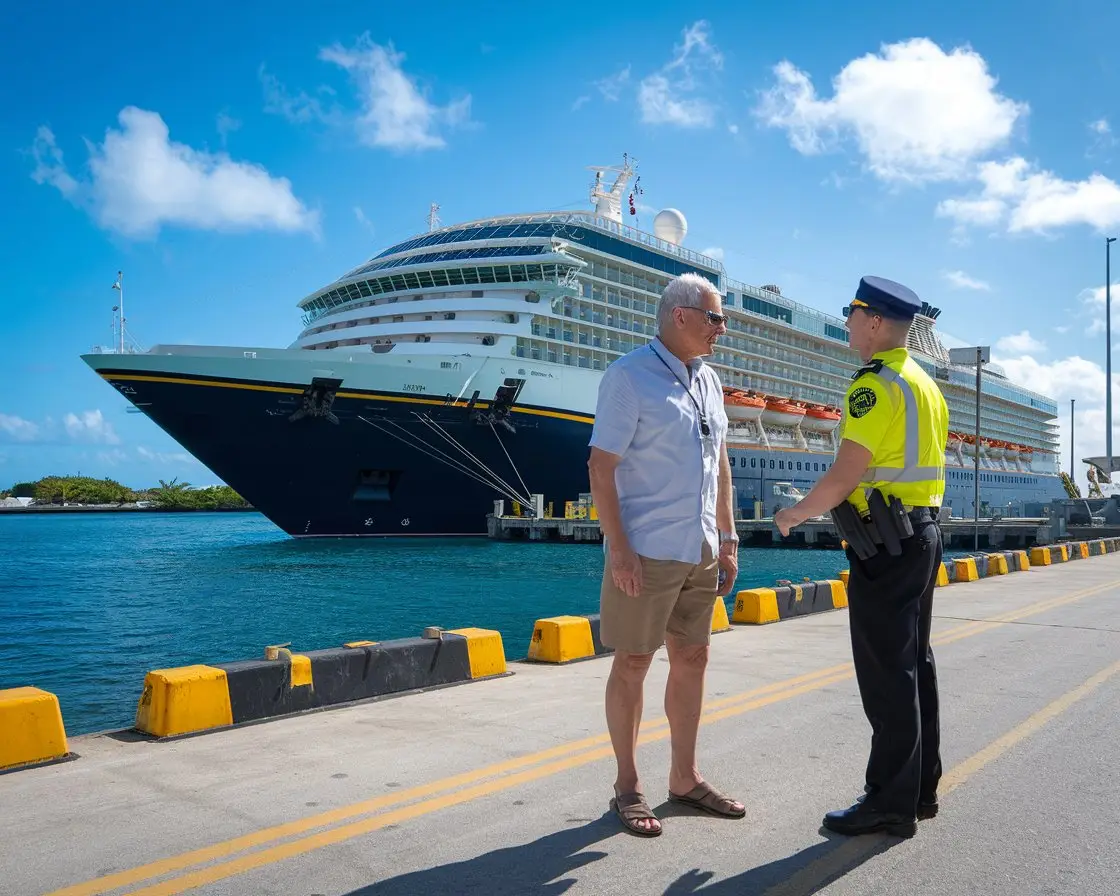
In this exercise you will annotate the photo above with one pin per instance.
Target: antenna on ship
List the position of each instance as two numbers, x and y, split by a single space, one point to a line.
119 308
433 218
608 202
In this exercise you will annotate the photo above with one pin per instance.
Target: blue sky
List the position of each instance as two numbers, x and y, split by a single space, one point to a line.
233 159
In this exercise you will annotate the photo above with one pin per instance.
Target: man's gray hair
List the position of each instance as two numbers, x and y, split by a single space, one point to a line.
685 291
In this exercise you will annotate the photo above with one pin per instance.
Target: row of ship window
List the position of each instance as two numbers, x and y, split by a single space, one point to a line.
993 477
817 466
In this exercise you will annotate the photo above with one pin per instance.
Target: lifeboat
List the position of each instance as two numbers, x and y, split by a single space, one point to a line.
783 412
1026 453
741 405
820 418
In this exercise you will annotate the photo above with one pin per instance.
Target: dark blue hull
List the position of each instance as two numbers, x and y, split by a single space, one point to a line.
368 465
376 464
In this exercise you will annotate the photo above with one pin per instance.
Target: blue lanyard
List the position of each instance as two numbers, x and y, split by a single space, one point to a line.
704 428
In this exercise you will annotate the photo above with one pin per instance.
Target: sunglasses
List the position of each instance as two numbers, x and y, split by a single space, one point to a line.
714 319
861 306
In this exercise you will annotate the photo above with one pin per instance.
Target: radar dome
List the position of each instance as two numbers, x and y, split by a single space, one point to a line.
670 225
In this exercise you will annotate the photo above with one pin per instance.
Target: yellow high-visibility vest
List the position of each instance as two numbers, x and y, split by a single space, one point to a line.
894 409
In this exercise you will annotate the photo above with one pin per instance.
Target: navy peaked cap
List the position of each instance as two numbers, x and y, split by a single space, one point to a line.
885 297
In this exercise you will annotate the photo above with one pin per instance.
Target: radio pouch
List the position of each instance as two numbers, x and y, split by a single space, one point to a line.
857 533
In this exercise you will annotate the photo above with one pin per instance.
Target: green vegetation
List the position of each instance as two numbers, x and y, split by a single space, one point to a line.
173 495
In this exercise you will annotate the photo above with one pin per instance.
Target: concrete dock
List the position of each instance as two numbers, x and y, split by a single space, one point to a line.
958 534
501 786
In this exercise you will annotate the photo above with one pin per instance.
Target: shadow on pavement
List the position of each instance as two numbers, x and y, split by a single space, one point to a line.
539 867
547 866
802 874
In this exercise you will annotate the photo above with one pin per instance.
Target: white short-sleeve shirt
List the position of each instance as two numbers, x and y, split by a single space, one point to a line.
649 412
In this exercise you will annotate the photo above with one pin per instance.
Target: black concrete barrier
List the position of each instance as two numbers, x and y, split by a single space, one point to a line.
203 697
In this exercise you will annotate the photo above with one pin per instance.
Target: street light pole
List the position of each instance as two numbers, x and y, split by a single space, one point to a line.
976 461
1108 349
1071 401
978 355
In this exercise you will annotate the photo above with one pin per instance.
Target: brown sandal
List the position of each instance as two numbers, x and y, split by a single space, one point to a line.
631 808
706 798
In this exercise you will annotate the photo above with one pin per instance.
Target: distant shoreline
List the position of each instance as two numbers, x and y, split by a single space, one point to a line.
113 508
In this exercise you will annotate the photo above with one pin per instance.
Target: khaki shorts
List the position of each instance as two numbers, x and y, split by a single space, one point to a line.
676 599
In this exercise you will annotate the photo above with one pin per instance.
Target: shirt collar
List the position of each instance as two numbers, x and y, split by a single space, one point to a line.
892 354
675 364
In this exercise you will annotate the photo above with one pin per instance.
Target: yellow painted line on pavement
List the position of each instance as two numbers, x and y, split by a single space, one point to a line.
856 850
323 819
407 813
961 773
653 730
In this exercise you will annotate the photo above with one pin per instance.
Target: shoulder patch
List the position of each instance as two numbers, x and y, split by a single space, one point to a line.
861 401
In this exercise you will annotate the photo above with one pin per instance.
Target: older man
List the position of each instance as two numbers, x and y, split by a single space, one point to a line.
661 482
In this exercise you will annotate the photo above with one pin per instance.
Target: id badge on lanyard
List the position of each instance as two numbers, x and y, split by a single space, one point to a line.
706 437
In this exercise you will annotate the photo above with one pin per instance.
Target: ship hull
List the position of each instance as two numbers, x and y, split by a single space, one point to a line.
333 446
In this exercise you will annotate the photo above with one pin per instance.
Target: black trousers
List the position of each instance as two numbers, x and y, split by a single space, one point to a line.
890 608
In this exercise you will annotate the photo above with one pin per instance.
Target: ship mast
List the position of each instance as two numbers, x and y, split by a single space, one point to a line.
120 310
433 219
608 202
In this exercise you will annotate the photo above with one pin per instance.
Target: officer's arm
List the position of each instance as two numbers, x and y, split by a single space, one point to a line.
852 461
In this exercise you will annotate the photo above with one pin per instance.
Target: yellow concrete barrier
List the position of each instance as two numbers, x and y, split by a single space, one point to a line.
1083 550
965 568
720 622
839 594
1059 553
485 651
844 576
1024 560
31 729
997 565
1040 556
942 575
756 606
561 639
183 700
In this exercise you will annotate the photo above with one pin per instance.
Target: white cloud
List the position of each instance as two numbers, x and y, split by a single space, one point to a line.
611 86
1019 344
1073 377
713 252
961 280
669 96
49 166
363 220
1100 126
1025 198
161 457
580 102
396 113
916 112
141 180
90 426
17 429
297 108
226 125
112 458
1093 307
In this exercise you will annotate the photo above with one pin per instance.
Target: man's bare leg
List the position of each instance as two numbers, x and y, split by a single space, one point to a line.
624 703
684 696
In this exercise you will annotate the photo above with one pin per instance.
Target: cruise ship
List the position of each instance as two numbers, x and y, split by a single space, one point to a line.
460 367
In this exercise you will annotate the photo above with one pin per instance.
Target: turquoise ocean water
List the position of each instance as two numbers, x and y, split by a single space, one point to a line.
89 603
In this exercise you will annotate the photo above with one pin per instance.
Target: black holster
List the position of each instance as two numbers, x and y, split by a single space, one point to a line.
887 524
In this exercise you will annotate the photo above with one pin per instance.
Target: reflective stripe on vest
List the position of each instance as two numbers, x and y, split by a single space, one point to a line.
910 471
